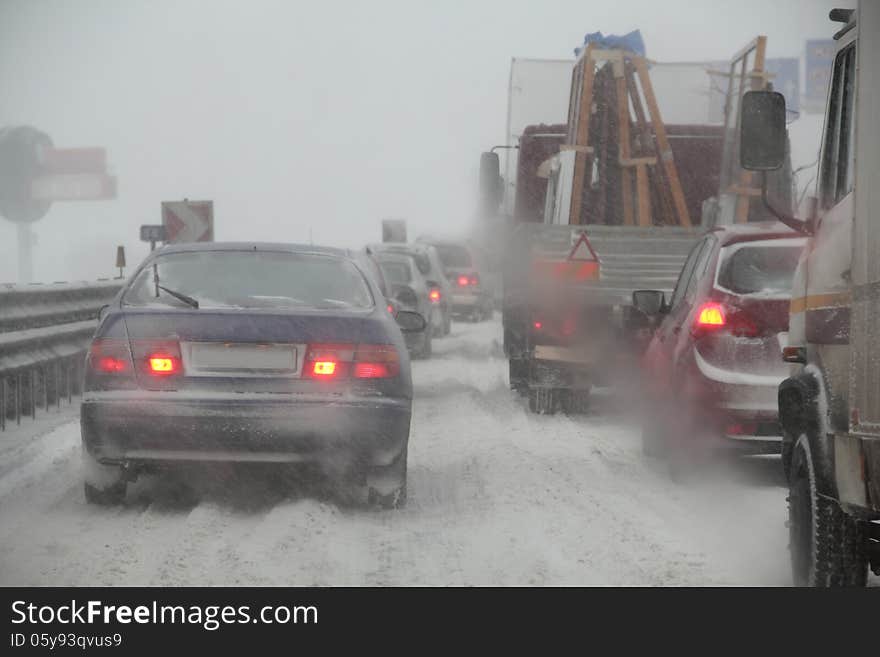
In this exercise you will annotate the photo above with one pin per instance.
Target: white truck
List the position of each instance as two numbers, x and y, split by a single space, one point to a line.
829 406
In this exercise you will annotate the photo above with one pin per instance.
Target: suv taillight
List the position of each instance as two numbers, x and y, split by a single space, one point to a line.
713 317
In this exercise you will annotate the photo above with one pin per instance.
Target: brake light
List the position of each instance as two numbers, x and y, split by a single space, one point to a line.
434 295
714 316
538 325
711 314
324 368
110 356
474 280
463 281
390 308
163 365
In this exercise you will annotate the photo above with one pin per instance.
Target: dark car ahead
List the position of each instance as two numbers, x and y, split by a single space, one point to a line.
249 353
714 363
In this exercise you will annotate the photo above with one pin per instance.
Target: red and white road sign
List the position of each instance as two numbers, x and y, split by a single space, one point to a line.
73 187
188 221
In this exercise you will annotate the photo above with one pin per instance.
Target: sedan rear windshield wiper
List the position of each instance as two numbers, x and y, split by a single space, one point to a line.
188 300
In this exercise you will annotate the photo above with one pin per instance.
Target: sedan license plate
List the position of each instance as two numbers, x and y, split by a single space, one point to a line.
237 359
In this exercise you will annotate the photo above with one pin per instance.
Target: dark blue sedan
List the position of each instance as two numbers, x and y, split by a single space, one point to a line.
249 353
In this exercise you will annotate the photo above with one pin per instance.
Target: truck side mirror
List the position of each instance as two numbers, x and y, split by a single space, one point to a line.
491 187
762 134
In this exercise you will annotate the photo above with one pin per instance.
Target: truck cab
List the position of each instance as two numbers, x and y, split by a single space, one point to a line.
829 406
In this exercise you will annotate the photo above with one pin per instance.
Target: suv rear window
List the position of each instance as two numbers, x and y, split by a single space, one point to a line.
453 255
396 271
251 279
760 267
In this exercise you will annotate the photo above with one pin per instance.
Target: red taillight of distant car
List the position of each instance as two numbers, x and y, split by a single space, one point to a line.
342 361
538 325
434 295
463 281
474 280
390 308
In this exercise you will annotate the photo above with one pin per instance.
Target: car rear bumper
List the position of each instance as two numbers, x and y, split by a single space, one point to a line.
743 406
284 429
465 302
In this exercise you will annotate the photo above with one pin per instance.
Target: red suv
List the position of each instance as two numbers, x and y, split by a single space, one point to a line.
714 363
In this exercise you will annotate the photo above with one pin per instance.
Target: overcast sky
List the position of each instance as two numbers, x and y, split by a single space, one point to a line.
317 116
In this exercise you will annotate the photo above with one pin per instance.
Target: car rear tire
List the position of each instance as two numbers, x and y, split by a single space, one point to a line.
447 323
110 496
386 486
828 547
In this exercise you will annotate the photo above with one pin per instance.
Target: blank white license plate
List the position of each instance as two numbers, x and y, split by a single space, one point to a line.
225 359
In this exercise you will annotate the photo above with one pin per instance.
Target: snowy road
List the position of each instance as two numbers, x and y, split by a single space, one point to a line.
497 496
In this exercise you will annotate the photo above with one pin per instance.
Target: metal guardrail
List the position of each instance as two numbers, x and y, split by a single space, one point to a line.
44 333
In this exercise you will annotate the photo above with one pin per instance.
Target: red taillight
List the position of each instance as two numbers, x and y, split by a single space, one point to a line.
434 295
474 280
390 308
111 365
538 325
376 361
371 371
110 356
157 359
163 365
463 281
324 368
341 361
711 315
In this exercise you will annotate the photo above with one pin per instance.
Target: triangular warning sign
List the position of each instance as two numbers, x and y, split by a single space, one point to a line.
583 250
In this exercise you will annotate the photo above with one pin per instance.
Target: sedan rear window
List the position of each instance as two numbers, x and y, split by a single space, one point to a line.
251 279
760 267
454 256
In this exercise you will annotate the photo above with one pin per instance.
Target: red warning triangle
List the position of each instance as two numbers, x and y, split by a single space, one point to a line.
583 250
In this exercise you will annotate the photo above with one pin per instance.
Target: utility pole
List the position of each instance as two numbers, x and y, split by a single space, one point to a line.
25 253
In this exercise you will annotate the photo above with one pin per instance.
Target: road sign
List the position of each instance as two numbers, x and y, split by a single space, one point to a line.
152 233
73 160
188 221
73 187
394 230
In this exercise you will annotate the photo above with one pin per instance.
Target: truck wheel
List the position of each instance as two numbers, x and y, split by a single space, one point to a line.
828 547
518 373
543 401
787 452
